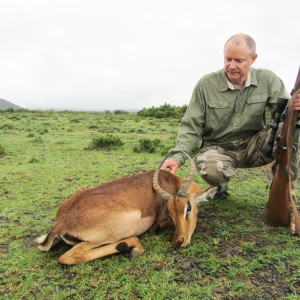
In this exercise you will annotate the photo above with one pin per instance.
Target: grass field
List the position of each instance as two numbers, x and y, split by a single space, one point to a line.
44 159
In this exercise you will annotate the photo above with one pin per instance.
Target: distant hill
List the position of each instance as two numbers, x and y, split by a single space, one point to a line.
6 105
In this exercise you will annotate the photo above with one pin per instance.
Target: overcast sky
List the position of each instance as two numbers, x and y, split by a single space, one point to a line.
130 54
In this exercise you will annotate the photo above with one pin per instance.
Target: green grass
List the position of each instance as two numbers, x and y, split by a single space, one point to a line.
234 253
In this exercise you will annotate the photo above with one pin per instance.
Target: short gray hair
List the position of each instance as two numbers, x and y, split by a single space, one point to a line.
249 41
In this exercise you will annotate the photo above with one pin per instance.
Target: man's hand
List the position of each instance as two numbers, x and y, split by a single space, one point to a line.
297 104
171 164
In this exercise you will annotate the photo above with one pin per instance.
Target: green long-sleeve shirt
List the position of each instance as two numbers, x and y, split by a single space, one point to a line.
218 113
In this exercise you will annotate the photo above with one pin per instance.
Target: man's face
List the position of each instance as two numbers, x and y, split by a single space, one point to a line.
237 61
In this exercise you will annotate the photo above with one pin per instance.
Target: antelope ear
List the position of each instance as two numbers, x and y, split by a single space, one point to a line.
207 195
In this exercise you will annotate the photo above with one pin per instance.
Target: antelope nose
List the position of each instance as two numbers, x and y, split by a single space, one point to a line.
182 243
179 242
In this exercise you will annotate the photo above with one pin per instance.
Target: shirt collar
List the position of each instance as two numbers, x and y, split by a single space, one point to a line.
251 80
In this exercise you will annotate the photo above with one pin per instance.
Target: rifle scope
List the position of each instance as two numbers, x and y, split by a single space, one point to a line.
281 104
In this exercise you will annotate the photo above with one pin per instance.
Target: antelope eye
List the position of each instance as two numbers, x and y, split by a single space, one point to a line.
188 210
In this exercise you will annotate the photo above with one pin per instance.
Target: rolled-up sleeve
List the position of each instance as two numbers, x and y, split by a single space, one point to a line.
191 127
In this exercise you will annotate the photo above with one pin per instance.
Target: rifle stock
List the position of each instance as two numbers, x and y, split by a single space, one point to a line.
280 196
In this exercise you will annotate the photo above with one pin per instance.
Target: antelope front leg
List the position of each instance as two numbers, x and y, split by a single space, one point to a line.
86 251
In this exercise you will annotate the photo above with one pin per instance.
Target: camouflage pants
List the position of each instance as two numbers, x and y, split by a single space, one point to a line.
217 163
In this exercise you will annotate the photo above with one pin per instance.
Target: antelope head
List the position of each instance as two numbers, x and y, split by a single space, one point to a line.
182 207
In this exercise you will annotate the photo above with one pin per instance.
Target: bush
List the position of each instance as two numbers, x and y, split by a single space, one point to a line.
108 142
33 160
93 126
120 112
163 111
43 131
7 126
38 139
75 120
148 145
2 149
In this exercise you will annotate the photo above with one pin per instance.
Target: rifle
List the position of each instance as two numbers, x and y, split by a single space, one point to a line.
281 199
280 106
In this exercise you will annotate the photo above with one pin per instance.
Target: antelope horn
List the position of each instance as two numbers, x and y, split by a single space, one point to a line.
188 179
165 195
184 187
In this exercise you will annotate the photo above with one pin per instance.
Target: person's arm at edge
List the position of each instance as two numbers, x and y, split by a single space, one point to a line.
190 131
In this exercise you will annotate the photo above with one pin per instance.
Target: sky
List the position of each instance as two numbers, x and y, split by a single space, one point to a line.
133 54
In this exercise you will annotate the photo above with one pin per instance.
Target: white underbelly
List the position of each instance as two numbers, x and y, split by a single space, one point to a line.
119 226
144 225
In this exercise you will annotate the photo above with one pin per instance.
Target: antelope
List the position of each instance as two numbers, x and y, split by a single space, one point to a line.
108 218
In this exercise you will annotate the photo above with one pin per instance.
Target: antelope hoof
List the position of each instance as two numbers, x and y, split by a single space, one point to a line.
134 254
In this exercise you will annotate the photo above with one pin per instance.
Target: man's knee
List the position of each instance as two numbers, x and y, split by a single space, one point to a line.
211 171
215 172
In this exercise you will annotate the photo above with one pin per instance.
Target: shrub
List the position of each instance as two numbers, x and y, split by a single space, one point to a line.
120 112
140 131
74 120
7 126
2 149
163 111
108 142
148 145
33 160
38 139
93 126
43 131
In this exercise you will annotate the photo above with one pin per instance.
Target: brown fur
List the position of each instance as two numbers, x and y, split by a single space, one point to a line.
118 210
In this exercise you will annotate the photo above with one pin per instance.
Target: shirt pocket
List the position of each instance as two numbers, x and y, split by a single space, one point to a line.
256 105
218 112
215 104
